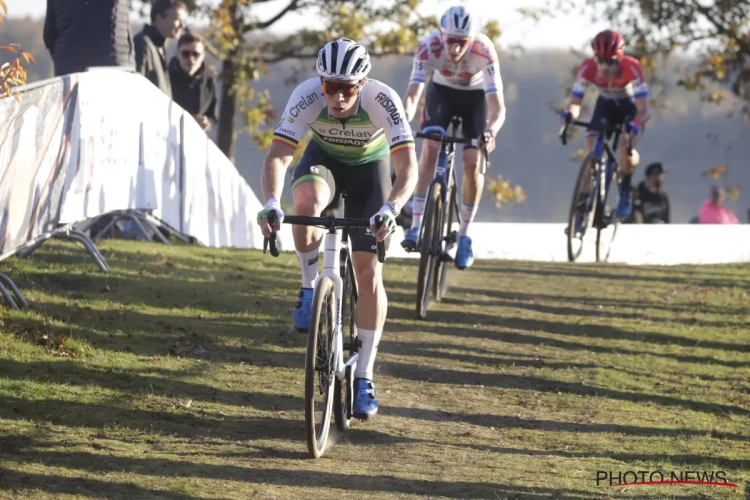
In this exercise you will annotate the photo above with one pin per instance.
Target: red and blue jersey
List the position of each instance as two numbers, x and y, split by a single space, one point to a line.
628 82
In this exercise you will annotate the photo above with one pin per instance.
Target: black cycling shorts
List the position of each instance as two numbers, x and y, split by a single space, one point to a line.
612 112
366 186
441 103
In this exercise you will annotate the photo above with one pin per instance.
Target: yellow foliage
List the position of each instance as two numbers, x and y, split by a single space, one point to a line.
734 192
502 191
12 73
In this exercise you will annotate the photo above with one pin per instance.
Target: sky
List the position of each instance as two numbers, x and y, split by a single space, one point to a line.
561 32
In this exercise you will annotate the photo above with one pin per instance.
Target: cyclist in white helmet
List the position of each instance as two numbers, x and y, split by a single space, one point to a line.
465 82
358 126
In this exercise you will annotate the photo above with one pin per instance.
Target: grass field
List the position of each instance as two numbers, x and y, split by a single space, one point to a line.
177 376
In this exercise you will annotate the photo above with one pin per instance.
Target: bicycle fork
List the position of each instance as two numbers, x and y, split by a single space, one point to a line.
448 238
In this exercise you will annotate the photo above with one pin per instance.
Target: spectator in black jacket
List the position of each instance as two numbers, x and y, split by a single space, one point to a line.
167 22
82 35
651 205
193 87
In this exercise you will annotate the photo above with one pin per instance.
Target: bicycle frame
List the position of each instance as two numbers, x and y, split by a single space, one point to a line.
332 245
604 176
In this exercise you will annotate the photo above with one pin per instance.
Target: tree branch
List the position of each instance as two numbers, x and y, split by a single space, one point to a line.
293 5
295 54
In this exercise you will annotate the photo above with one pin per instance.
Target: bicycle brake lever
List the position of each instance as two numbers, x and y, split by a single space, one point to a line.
380 247
271 241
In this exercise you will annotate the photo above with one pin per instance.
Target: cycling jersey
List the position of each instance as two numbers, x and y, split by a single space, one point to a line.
376 127
477 69
628 82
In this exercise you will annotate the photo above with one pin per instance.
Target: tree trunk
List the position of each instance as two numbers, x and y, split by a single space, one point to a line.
227 138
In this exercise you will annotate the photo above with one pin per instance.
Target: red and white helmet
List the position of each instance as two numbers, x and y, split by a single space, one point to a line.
608 44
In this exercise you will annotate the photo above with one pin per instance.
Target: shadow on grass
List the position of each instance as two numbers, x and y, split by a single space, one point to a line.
527 383
218 338
682 276
582 330
81 486
512 337
567 311
641 305
73 373
508 422
367 484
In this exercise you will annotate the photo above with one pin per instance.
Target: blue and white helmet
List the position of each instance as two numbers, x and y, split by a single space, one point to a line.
457 21
343 59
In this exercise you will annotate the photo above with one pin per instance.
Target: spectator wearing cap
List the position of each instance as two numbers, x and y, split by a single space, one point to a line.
651 203
713 210
193 85
167 22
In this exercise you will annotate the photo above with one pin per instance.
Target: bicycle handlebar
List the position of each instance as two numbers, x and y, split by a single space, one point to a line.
447 138
329 222
593 126
438 133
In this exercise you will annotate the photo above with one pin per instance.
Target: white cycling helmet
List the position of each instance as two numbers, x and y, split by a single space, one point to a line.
344 59
457 21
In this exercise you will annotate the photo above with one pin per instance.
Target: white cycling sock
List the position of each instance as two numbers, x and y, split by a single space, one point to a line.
308 263
468 212
368 349
417 210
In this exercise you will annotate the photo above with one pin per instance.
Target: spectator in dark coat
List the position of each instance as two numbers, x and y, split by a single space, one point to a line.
167 22
193 87
80 34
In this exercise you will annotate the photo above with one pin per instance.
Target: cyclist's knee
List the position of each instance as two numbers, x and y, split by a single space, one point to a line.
471 161
369 275
309 198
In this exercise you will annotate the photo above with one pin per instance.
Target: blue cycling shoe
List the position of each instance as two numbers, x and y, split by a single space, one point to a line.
625 207
410 239
365 403
464 254
301 315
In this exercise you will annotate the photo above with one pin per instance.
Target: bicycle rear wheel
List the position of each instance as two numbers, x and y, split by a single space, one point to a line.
343 396
320 367
585 176
430 247
450 239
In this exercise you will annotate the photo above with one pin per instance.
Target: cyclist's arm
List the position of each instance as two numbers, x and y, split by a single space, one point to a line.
404 161
641 93
384 107
579 88
495 112
493 82
303 106
274 167
417 79
411 99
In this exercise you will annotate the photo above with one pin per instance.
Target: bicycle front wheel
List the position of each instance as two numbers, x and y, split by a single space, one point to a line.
430 247
320 368
579 207
443 260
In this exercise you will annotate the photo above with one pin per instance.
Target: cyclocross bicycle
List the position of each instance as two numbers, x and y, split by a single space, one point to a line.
592 188
330 361
436 235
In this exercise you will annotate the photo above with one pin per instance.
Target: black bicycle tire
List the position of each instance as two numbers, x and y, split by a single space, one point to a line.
573 256
323 288
432 214
443 263
348 307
